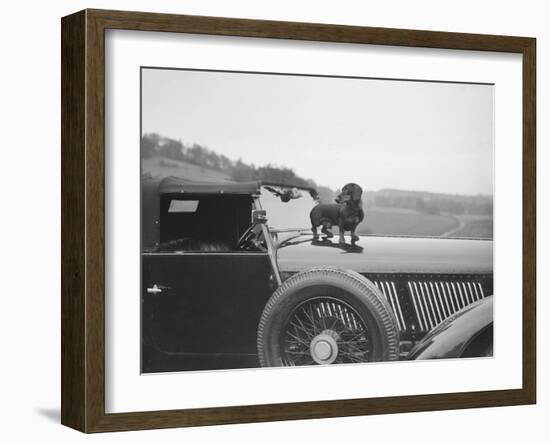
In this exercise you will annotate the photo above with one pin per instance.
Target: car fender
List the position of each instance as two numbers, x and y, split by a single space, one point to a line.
452 337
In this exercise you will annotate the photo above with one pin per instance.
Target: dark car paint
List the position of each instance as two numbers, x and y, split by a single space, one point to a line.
210 304
451 338
385 254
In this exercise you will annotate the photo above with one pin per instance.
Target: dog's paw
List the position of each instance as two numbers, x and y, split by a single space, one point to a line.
355 238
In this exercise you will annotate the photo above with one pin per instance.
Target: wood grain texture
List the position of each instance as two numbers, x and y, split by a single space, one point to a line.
95 221
144 21
529 221
73 256
83 219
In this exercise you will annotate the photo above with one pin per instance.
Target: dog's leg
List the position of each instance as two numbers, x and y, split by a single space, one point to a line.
354 237
342 239
314 230
326 230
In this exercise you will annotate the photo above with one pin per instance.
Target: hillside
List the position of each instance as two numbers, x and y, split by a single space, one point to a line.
390 221
159 167
431 202
162 156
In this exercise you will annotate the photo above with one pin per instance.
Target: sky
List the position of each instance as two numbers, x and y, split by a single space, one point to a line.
397 134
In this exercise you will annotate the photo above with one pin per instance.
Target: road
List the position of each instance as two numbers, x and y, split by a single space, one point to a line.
459 226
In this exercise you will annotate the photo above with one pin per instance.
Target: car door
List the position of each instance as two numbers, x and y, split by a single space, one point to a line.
202 303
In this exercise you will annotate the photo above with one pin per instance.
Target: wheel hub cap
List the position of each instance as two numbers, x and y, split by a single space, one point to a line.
324 348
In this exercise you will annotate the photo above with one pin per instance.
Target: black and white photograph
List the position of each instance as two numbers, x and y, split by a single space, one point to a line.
308 220
273 221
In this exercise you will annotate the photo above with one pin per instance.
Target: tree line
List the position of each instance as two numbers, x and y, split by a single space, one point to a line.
433 203
154 145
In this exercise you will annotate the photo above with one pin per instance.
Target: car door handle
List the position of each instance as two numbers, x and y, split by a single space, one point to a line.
157 290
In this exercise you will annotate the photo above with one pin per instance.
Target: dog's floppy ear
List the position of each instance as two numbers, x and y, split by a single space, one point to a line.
355 191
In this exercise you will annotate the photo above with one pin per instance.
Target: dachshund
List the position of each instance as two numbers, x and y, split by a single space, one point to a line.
346 213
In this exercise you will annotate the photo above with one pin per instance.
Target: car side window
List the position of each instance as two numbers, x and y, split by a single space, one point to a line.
203 223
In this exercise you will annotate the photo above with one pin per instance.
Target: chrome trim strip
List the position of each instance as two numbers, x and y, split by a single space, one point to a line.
404 326
440 316
380 287
439 285
412 291
383 287
474 289
428 311
458 303
462 297
474 298
481 289
432 311
462 290
423 306
433 316
455 297
468 298
419 319
478 295
388 295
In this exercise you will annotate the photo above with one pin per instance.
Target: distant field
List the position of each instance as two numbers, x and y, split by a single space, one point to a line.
383 221
161 167
405 222
475 227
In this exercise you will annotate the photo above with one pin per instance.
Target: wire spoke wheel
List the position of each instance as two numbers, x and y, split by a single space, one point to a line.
327 316
325 330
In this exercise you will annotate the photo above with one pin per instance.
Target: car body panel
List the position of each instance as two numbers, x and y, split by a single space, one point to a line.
181 185
450 338
385 254
209 303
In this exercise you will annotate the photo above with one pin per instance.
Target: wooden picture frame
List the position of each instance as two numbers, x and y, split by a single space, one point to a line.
83 219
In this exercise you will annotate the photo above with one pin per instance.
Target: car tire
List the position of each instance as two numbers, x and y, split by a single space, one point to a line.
327 316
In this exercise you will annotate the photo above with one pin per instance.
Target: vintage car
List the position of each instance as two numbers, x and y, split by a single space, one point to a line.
232 278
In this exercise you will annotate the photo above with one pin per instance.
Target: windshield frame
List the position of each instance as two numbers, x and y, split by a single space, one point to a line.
286 191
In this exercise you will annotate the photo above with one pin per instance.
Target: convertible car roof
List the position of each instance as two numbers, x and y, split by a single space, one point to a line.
181 185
